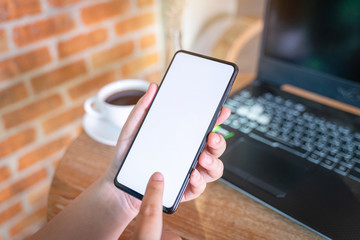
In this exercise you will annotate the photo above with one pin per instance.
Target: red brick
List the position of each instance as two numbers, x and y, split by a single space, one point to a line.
63 119
147 41
61 3
91 85
42 152
16 141
38 195
35 217
32 111
23 63
4 174
143 3
10 212
11 9
39 30
21 185
113 54
81 42
58 76
139 64
12 94
135 23
3 41
103 11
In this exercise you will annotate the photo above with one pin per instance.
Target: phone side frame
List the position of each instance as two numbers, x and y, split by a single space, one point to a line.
173 208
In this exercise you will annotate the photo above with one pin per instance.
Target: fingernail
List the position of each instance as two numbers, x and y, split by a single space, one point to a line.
158 177
217 138
196 174
207 160
153 84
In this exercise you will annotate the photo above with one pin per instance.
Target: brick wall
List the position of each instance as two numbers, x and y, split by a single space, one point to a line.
53 55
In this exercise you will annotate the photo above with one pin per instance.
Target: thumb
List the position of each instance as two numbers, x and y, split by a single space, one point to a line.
137 114
133 122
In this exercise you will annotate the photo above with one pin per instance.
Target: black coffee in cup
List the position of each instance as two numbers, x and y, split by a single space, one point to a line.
125 98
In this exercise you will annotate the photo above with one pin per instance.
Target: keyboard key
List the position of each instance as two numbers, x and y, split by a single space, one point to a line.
308 117
245 94
346 164
357 136
264 119
342 170
252 124
279 100
252 116
249 102
356 160
330 125
242 111
235 124
328 164
314 158
227 122
320 153
272 133
257 109
243 120
233 117
357 153
262 128
289 103
245 129
333 159
300 107
232 102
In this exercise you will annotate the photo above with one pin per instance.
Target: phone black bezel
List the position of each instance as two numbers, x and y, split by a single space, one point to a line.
173 208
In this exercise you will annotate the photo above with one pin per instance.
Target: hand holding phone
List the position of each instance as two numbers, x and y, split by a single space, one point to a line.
175 129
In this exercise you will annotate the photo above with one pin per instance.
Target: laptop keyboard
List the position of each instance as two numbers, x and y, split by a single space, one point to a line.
282 123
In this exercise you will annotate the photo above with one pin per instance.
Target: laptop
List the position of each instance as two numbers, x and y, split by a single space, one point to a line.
297 156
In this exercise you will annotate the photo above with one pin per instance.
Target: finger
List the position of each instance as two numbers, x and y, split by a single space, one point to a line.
137 114
215 144
224 114
210 168
133 123
196 186
149 219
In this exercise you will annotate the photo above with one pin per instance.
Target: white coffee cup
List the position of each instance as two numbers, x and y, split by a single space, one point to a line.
116 114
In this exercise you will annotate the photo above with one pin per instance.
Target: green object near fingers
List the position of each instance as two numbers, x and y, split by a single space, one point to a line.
223 132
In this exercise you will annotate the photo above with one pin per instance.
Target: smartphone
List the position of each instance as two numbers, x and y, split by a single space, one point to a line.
177 123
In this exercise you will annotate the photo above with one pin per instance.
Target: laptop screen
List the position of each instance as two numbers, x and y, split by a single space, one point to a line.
321 35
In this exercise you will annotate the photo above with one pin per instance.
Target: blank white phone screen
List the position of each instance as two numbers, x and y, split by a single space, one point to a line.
175 125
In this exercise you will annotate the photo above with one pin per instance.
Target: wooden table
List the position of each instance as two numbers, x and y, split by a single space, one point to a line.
219 213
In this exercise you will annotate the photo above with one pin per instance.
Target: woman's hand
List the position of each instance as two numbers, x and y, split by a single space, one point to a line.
103 212
209 168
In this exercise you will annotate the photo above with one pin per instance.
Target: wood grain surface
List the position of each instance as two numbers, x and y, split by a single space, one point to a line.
219 213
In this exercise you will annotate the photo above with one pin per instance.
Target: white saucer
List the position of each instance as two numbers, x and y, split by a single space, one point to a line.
101 130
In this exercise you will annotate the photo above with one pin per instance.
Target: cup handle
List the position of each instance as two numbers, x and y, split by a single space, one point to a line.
90 107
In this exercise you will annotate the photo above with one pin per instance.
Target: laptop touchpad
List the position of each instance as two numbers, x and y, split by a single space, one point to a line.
263 166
